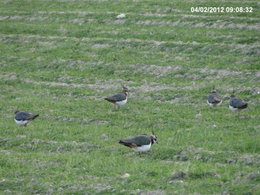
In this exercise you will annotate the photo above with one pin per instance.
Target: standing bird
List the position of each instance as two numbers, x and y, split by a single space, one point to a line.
237 104
214 99
140 143
23 118
120 98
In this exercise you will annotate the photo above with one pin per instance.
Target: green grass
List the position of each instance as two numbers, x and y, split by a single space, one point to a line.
61 58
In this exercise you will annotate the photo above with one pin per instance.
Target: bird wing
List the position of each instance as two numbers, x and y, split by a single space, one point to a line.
118 97
214 98
23 116
237 103
136 140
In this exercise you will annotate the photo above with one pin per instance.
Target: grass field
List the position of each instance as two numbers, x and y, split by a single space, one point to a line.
60 58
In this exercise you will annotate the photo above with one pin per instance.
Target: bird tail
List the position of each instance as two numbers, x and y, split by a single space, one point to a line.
121 142
130 145
34 116
245 105
110 100
124 143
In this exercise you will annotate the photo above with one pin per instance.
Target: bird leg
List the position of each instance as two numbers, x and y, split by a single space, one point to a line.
238 114
115 107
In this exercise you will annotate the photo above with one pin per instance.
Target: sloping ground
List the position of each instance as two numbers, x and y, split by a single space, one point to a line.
60 58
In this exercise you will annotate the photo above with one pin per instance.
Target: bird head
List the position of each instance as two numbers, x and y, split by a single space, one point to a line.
154 138
125 90
232 96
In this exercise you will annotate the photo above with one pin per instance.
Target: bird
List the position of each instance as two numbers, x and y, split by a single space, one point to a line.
237 104
23 118
119 99
140 143
214 99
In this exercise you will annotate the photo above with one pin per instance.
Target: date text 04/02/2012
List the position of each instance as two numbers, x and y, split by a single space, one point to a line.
222 9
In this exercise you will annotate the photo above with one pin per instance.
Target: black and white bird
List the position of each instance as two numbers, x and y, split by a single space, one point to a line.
23 118
140 143
237 104
119 99
214 99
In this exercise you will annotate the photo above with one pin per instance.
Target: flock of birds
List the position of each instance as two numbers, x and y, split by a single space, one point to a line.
143 142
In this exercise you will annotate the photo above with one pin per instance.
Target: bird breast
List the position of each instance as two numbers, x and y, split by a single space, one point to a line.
120 103
21 122
142 148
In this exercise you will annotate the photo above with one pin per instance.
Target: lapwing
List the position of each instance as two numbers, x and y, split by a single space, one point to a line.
23 118
119 99
214 99
237 104
140 143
